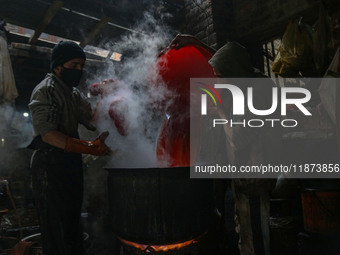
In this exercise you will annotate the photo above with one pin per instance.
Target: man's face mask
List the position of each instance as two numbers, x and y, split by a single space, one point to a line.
71 76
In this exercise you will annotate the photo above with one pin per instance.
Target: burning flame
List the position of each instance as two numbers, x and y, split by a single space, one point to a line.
158 248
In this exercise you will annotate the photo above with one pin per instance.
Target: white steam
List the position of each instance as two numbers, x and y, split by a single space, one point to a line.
142 100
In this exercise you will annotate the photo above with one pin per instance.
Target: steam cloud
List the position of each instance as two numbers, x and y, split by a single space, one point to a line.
15 135
142 92
136 74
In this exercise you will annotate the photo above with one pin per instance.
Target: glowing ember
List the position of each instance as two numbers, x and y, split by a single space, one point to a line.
158 248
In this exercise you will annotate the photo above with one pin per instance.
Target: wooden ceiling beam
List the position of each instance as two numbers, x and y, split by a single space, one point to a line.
48 16
95 31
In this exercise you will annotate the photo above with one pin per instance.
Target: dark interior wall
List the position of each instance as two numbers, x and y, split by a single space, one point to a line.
249 22
199 21
224 21
213 22
263 20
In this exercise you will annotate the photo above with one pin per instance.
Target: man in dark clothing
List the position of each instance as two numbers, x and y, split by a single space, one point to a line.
250 146
246 146
57 108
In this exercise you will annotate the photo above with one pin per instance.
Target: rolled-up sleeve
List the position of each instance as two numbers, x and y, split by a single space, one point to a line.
45 112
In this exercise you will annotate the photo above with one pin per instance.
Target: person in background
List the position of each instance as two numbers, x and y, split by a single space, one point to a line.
57 108
8 90
246 146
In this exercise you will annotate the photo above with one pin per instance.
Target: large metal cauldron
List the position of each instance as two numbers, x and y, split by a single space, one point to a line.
159 205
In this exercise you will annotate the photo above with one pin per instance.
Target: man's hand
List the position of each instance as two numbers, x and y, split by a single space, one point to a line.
102 148
96 147
102 137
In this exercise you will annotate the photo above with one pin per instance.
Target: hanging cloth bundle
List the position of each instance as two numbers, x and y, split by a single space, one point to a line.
295 53
8 91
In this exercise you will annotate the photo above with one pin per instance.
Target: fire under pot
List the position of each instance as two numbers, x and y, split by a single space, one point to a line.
160 210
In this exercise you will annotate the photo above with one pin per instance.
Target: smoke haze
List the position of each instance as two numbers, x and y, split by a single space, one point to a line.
142 92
